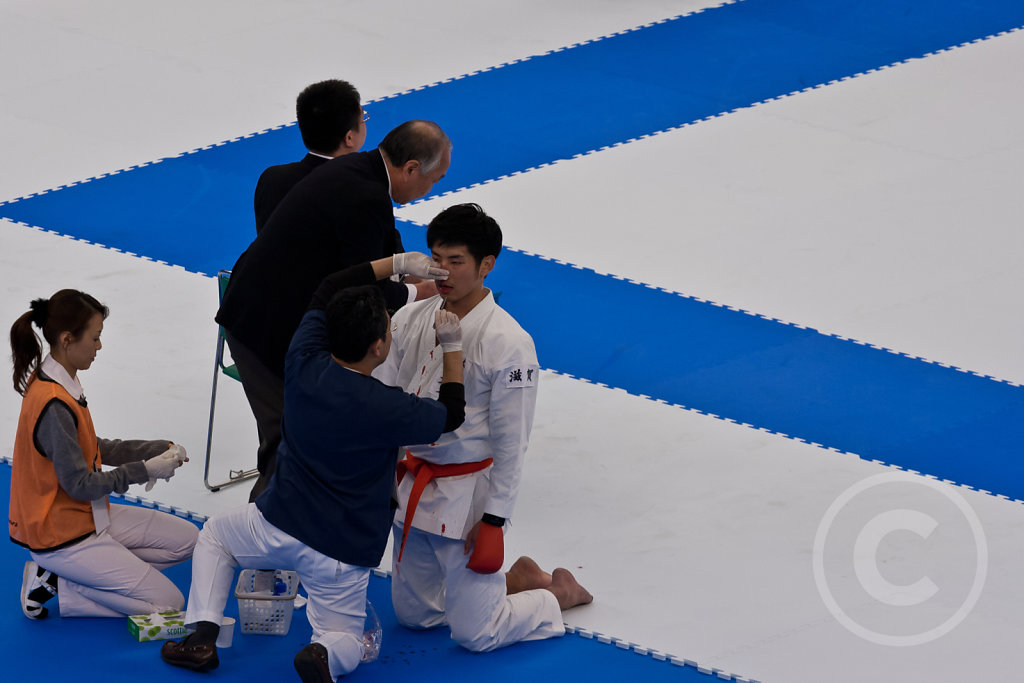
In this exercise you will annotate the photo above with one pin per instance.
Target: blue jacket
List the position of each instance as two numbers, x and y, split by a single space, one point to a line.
341 434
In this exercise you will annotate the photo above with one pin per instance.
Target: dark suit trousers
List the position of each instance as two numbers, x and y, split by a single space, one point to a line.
265 392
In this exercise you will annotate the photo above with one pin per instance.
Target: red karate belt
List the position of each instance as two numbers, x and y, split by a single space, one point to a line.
425 472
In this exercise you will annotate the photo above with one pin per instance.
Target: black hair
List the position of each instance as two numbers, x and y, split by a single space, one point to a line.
416 140
69 310
356 318
468 225
326 112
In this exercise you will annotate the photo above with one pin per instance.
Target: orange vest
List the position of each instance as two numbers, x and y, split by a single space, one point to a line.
42 515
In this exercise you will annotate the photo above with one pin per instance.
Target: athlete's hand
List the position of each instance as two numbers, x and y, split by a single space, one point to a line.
449 330
488 544
418 265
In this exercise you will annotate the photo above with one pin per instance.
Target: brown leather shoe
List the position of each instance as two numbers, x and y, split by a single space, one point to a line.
311 663
196 657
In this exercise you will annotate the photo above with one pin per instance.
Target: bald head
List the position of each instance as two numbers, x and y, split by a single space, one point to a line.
418 154
416 140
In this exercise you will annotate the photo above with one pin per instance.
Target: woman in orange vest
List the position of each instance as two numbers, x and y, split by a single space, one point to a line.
101 560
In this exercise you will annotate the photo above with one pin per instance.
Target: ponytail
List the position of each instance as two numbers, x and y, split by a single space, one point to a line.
69 310
25 350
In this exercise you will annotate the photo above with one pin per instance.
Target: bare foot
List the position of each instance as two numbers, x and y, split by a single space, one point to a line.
567 590
525 575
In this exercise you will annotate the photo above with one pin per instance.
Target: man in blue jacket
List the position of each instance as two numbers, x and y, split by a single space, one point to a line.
328 509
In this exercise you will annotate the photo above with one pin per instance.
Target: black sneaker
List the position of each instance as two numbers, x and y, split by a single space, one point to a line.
195 657
311 663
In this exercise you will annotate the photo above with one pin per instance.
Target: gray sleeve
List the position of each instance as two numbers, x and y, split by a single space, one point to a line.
116 452
57 437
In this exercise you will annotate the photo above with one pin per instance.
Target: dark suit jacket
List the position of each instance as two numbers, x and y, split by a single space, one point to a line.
276 181
338 216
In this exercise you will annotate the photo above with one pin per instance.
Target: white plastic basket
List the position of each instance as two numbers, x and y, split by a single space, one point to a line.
265 614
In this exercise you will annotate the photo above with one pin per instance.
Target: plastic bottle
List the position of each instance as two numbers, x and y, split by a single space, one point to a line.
372 634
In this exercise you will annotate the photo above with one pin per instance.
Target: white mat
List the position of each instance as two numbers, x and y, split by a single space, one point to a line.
881 209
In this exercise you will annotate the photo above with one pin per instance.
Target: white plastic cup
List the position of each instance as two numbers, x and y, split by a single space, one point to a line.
227 632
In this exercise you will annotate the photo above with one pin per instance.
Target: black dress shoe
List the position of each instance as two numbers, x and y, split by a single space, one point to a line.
311 663
196 657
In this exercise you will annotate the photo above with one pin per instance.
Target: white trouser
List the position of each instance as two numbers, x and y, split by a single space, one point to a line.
116 572
337 591
432 586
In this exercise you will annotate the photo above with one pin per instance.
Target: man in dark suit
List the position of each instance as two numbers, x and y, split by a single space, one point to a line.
332 123
341 214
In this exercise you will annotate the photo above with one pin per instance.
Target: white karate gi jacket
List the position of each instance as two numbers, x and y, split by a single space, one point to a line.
500 377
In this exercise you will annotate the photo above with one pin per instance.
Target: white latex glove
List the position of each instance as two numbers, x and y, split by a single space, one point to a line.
163 465
418 265
449 330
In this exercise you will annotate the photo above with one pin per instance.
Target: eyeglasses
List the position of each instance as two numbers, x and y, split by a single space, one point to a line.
366 116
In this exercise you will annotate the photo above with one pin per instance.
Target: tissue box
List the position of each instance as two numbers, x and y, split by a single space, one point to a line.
158 626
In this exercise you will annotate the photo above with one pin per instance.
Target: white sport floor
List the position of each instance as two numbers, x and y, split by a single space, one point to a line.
884 208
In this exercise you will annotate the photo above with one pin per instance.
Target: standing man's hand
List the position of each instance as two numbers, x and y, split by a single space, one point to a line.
418 265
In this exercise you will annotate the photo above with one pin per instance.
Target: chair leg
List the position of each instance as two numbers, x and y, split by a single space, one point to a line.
234 476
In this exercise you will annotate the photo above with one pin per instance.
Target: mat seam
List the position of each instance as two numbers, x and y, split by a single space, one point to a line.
623 644
767 430
201 518
75 238
721 114
575 266
525 59
753 314
417 88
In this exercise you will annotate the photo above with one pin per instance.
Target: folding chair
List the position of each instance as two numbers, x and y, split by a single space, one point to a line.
234 476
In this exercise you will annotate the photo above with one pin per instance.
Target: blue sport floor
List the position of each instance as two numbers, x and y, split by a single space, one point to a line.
104 649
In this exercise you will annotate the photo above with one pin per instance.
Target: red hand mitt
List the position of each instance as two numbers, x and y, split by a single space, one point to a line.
488 551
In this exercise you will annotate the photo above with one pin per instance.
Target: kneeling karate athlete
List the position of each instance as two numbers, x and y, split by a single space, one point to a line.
455 495
327 511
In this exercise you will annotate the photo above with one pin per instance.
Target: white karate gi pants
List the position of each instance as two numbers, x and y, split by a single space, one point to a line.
116 572
337 591
432 586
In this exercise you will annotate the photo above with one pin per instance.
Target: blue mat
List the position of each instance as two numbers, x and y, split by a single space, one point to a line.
195 211
783 378
102 649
